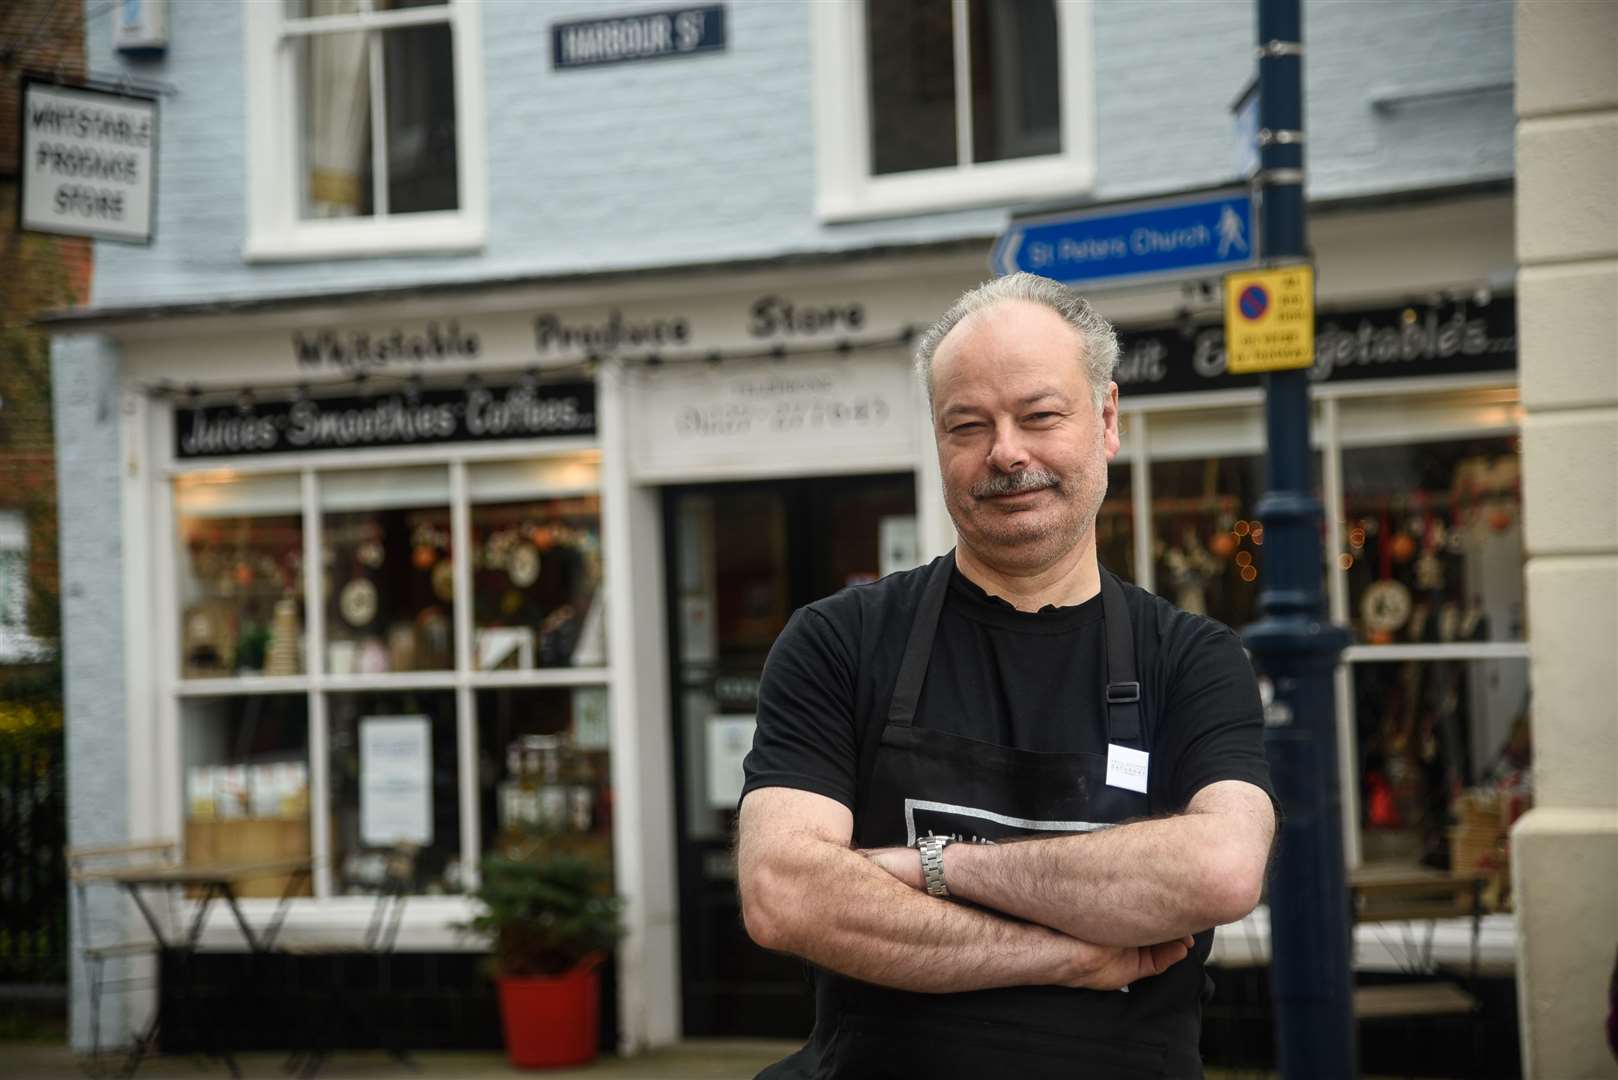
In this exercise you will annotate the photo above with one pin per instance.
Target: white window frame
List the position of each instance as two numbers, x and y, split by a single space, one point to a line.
317 684
846 189
275 229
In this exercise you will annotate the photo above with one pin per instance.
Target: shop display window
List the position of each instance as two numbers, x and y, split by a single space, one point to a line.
537 596
1115 523
1432 541
1444 760
246 776
240 575
394 776
389 576
1207 545
543 759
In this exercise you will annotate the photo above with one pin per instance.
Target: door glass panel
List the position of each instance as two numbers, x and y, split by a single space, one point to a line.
537 596
240 575
389 582
393 764
546 750
1115 523
1446 763
1207 543
246 774
1433 542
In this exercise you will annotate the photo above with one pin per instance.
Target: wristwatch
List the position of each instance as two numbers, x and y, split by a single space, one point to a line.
932 863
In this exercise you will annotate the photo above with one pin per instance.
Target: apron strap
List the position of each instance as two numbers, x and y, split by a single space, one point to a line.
919 645
1123 684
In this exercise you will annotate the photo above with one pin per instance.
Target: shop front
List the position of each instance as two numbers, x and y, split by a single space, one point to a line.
432 572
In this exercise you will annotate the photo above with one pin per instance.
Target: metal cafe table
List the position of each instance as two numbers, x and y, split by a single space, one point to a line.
210 881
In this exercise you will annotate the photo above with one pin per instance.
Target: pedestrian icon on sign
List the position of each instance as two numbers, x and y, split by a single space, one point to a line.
1230 231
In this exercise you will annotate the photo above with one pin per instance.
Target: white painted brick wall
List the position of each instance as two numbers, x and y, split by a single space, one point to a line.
712 157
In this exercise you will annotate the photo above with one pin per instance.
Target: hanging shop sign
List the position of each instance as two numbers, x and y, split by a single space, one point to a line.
1349 346
1270 319
476 413
87 160
651 35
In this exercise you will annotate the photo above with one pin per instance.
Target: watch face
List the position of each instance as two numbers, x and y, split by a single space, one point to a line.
357 602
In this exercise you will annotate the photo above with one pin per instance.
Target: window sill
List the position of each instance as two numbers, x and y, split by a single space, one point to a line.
425 234
966 187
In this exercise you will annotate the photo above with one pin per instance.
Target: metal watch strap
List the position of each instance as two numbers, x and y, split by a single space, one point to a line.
932 864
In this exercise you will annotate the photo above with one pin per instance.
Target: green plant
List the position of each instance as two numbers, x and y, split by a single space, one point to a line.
546 913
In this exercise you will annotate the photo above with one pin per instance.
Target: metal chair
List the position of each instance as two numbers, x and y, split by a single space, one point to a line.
381 934
88 866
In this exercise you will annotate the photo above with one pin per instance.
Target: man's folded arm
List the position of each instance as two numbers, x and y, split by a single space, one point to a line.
1131 884
805 891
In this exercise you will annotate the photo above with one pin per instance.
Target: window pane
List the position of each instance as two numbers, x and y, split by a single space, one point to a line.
1433 541
1115 524
335 76
910 61
420 66
1208 546
537 599
390 582
546 749
246 775
1445 759
394 785
1016 79
240 576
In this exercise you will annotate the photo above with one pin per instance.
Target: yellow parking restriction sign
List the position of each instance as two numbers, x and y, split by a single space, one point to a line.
1270 319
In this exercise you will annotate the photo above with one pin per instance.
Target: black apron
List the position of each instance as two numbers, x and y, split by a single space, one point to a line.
919 781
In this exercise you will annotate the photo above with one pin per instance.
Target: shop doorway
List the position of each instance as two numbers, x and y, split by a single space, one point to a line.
741 558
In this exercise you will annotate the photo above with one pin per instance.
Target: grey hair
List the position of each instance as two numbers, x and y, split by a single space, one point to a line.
1099 342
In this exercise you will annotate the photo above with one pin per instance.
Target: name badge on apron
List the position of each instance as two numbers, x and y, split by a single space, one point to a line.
1126 768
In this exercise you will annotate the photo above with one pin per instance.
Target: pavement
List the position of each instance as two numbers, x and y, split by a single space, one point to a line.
730 1059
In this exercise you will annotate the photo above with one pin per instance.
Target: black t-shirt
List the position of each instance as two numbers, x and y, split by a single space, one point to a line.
1028 680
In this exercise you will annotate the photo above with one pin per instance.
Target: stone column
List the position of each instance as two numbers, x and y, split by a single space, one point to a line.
1565 851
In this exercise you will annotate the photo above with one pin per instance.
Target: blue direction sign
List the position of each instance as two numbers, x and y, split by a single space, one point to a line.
1179 237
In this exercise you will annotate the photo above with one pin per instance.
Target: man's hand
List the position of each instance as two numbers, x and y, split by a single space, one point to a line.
903 863
1112 967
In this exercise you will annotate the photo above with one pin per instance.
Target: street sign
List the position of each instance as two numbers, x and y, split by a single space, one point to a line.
1137 241
1270 319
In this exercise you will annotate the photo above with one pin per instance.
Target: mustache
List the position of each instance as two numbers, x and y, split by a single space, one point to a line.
1015 483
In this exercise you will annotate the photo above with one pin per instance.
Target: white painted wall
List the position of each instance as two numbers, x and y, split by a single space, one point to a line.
713 157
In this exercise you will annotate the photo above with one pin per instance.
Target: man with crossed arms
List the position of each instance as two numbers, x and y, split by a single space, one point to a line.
999 801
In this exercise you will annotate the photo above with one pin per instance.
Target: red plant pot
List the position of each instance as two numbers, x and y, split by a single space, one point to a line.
552 1020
